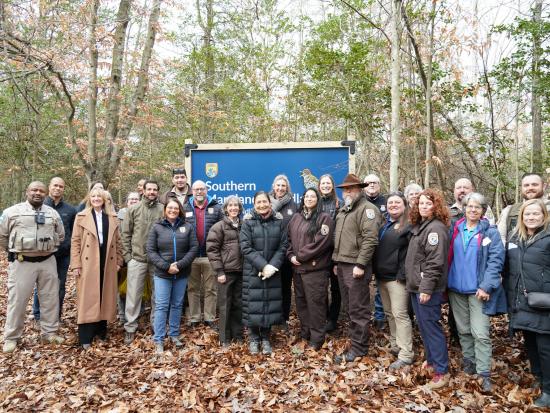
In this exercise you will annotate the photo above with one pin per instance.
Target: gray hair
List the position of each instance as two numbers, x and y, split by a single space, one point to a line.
232 198
476 197
284 178
411 187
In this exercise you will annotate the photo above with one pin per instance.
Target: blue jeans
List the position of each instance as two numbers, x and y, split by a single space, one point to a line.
62 268
379 313
169 293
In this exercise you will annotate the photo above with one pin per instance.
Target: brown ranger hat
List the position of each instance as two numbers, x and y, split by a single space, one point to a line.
352 180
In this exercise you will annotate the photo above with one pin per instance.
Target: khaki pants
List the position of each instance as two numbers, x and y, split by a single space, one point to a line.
22 277
202 278
395 300
135 282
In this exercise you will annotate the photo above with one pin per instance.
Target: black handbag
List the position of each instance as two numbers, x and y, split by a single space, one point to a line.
537 300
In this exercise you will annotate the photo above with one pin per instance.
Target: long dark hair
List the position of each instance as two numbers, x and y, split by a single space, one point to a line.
313 224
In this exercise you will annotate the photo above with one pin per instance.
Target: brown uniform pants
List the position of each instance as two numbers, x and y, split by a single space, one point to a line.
310 291
356 294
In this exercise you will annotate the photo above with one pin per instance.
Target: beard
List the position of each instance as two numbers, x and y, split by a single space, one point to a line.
533 194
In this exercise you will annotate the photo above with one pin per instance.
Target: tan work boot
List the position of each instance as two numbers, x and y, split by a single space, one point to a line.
439 380
51 339
9 346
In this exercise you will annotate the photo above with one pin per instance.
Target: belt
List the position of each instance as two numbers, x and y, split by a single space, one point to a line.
20 257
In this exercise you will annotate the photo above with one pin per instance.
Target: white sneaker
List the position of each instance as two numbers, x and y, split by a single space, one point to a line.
9 346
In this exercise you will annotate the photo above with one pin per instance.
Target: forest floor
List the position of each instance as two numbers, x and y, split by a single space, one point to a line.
112 377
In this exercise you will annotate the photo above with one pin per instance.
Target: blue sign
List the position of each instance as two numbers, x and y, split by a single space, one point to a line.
243 172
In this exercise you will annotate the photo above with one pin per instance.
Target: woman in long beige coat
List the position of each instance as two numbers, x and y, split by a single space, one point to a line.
96 257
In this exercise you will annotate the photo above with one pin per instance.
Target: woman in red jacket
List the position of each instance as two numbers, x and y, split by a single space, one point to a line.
310 237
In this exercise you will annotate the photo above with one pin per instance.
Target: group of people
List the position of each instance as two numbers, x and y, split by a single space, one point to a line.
422 252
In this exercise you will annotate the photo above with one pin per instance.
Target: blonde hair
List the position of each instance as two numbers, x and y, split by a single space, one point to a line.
520 228
108 206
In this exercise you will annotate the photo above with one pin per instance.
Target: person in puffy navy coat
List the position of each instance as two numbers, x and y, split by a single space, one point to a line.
527 270
263 244
171 247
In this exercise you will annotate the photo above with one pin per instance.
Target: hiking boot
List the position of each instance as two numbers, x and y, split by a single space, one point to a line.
86 346
348 357
254 347
129 338
51 339
486 384
398 365
176 342
468 366
9 346
266 347
439 380
331 326
543 400
159 348
315 346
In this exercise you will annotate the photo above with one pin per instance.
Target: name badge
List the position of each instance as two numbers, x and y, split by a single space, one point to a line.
188 214
210 210
182 230
289 212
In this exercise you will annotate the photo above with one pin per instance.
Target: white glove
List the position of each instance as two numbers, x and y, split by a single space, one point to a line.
269 270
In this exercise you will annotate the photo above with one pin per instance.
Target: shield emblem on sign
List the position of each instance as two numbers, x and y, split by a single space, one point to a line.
211 170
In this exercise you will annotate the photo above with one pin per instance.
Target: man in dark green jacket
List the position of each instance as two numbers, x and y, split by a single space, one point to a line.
356 237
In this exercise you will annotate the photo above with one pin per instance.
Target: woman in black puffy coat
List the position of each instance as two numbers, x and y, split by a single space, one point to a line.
263 244
528 271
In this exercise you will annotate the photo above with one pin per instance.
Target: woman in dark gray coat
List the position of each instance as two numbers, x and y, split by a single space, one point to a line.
528 271
263 244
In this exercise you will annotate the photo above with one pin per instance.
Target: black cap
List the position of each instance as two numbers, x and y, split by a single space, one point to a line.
179 171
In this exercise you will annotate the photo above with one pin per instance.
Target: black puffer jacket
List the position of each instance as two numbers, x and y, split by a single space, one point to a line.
263 241
390 254
330 205
531 257
223 248
213 214
172 243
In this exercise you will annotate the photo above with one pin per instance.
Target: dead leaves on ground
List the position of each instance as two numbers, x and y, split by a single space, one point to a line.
112 377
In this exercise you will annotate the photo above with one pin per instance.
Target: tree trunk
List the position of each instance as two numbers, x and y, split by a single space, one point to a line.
395 94
429 115
92 84
536 152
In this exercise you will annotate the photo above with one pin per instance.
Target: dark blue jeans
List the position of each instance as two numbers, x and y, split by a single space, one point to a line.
428 317
378 307
62 268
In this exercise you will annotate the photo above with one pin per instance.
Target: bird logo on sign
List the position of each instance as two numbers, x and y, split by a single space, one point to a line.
310 181
211 170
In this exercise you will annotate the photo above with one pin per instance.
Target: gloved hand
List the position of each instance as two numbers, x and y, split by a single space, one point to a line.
269 270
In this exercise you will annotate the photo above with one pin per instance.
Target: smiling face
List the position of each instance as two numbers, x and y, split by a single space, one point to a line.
262 204
172 211
179 181
533 217
351 193
425 207
473 211
396 207
310 200
280 188
199 192
36 193
151 191
96 199
462 188
532 187
133 198
233 209
56 188
325 185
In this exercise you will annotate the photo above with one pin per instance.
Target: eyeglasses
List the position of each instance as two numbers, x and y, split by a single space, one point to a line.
199 189
474 207
372 183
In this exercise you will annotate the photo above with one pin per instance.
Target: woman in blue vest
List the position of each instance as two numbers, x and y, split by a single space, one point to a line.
476 259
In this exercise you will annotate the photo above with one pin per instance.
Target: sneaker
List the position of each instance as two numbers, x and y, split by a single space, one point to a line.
486 385
254 347
129 338
398 365
176 342
159 348
439 380
86 346
9 346
543 400
266 347
348 357
51 339
468 366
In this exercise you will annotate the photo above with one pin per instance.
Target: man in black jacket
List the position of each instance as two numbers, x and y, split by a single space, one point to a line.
63 254
203 212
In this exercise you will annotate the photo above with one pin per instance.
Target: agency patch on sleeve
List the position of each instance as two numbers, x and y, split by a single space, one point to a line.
370 213
433 238
324 229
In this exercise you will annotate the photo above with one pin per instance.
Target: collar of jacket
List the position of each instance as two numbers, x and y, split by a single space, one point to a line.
228 221
354 203
209 201
149 204
179 222
50 202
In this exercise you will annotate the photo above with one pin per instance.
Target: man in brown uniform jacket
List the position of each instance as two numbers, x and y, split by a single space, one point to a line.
356 237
